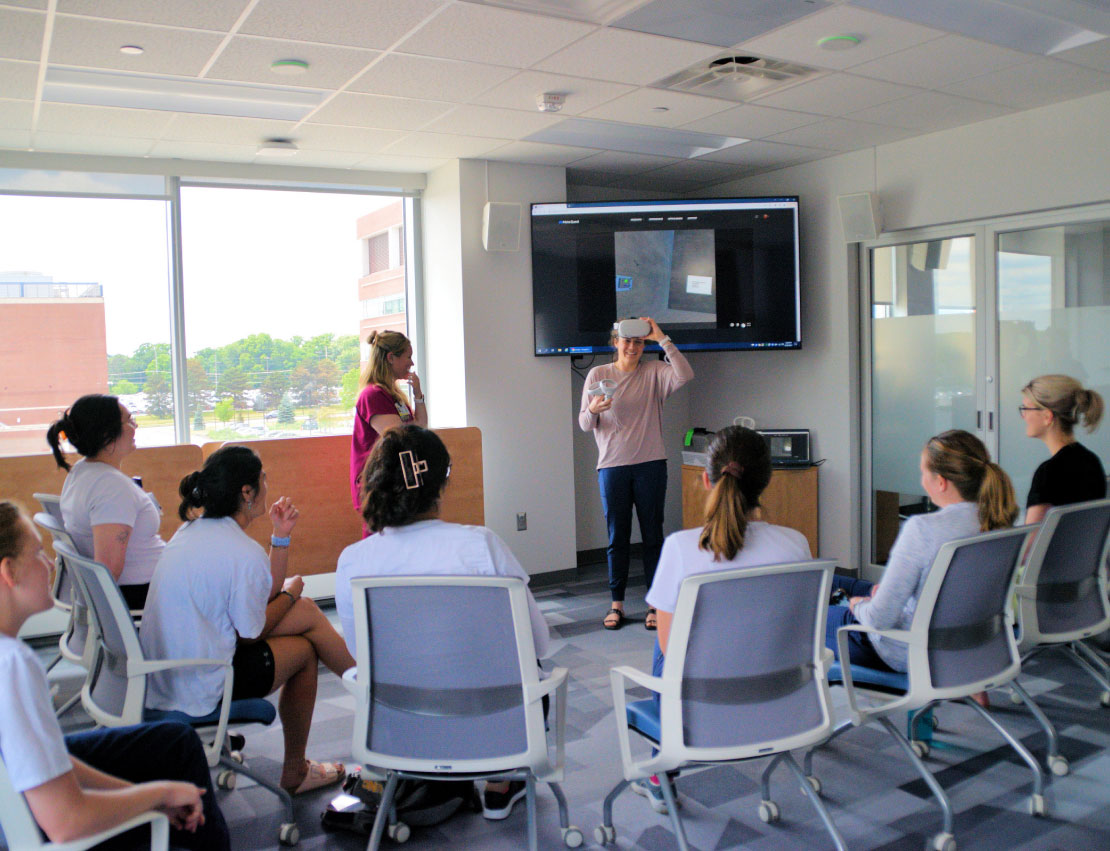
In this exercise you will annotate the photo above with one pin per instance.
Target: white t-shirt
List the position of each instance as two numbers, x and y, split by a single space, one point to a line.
430 548
763 544
30 738
95 494
211 586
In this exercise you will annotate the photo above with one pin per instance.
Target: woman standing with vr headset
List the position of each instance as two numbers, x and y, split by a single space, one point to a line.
622 404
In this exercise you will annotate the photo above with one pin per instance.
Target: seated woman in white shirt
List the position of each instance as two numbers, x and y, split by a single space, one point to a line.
74 785
738 470
411 540
217 595
109 516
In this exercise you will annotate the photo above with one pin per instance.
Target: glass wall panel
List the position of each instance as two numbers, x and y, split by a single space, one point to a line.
1053 317
281 289
922 369
84 308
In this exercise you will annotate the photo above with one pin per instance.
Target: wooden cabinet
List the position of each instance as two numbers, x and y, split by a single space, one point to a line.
790 500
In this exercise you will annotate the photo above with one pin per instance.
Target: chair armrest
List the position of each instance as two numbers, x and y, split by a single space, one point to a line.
151 666
827 659
159 833
859 715
617 676
556 683
1026 592
556 680
902 635
648 681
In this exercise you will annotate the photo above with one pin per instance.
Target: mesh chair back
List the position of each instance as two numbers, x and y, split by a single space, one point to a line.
107 685
65 591
1068 597
969 639
52 504
445 673
748 675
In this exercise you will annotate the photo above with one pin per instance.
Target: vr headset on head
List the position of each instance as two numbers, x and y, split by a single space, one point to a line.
632 329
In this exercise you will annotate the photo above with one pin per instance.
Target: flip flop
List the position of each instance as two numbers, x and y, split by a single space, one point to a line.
613 624
320 774
651 620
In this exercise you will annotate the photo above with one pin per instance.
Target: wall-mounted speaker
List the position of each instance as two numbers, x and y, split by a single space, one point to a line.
500 226
860 216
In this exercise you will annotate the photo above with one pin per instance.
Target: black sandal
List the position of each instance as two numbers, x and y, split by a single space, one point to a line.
654 620
618 623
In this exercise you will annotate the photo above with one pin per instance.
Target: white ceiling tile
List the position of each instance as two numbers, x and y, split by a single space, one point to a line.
581 94
67 143
930 111
752 122
639 107
208 15
443 145
699 170
401 75
1033 84
217 151
878 34
26 4
247 59
358 110
538 153
838 134
21 34
402 164
836 94
619 162
764 154
225 129
653 184
498 36
1095 55
627 57
714 22
329 137
102 121
492 122
357 23
18 79
96 44
16 114
14 139
941 61
581 177
316 159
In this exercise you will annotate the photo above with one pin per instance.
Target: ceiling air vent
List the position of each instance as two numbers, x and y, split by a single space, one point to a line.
736 77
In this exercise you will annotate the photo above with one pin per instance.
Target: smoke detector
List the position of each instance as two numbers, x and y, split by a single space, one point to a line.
550 101
736 76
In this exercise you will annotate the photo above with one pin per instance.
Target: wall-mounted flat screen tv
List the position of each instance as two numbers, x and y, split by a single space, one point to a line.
716 274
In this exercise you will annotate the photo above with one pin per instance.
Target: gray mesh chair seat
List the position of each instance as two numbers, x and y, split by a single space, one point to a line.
744 679
115 689
961 642
447 687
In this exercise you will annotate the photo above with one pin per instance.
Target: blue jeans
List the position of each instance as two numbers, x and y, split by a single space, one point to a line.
643 486
166 750
860 649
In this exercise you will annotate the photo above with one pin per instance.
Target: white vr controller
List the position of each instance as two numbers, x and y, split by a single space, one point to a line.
606 387
632 329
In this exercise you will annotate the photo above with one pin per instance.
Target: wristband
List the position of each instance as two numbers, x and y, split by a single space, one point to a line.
287 594
280 543
666 339
418 400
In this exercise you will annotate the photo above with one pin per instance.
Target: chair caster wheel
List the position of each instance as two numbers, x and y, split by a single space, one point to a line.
942 842
237 756
921 749
399 832
1036 805
289 834
1104 698
1015 698
605 834
572 837
814 783
1058 765
225 779
769 812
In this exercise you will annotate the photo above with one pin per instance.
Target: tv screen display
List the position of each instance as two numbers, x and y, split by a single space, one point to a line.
714 273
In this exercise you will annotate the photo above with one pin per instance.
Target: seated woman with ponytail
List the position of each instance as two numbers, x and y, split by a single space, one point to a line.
217 595
974 495
111 519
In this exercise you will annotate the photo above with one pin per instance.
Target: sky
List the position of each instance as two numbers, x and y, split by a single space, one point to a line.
250 259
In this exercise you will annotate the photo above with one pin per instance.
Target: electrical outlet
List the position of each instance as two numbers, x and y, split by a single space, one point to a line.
521 521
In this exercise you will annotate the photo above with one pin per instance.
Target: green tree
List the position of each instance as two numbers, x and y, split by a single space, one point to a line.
159 396
123 387
350 387
302 384
198 421
286 414
272 390
200 388
327 379
224 410
234 385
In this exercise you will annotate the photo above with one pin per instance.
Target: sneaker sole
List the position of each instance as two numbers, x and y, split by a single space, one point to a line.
656 804
504 812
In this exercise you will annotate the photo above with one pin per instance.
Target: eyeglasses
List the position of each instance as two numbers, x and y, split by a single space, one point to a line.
1023 408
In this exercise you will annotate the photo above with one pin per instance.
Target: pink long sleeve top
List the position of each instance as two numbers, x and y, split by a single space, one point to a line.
631 431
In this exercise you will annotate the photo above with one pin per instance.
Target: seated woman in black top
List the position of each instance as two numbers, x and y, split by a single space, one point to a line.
1051 406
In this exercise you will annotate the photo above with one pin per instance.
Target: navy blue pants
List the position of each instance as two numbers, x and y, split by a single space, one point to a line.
860 648
167 750
643 486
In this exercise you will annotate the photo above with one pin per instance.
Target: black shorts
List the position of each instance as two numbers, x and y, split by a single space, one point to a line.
253 664
135 595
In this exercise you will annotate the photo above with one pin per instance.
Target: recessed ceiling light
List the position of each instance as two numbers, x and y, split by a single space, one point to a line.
277 148
839 42
131 49
289 67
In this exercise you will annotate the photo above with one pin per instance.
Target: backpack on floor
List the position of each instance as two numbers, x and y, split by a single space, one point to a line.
419 803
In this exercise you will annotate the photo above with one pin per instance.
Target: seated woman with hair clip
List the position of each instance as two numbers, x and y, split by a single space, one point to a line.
79 785
110 519
737 473
216 595
402 484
